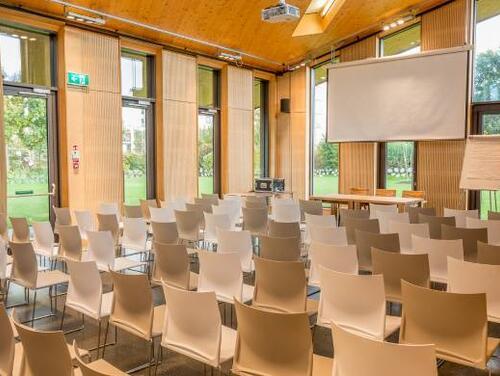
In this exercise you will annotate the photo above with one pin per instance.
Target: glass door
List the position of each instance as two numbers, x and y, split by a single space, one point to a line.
31 148
206 149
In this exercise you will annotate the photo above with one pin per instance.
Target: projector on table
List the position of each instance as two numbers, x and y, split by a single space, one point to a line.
269 185
281 12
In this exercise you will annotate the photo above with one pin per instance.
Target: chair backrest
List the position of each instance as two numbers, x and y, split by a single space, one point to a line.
313 207
320 220
280 285
415 211
406 230
109 222
255 205
414 194
413 268
276 201
171 265
85 287
366 240
206 204
256 199
353 302
385 218
164 215
20 229
133 211
455 323
360 191
380 358
488 253
352 213
493 215
70 242
146 206
281 346
470 237
492 225
188 224
135 233
279 249
214 222
7 343
44 238
101 249
438 251
376 208
353 224
229 208
165 232
3 259
286 213
63 217
229 241
132 308
473 278
221 273
435 224
212 197
85 222
88 369
385 192
110 208
4 230
328 235
342 259
24 264
193 324
460 215
255 220
284 229
179 203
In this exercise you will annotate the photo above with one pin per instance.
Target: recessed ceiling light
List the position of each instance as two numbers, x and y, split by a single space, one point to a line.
15 35
400 21
386 27
32 39
24 37
394 24
70 17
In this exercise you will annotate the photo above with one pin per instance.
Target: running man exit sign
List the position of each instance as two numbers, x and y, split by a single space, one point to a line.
78 79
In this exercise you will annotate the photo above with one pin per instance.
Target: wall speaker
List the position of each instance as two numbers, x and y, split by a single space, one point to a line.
285 105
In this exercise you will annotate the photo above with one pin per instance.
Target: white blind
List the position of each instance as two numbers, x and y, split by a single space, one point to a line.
481 167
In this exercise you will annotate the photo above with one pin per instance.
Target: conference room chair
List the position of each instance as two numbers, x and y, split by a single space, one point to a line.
229 241
470 237
311 207
435 223
212 197
284 229
414 194
162 214
354 224
132 211
85 222
199 209
62 218
4 229
380 358
493 215
255 220
352 213
377 208
85 295
102 251
229 208
385 192
438 252
359 191
110 208
179 203
472 278
260 199
366 240
212 223
317 220
98 367
164 232
189 225
328 235
222 274
133 311
194 329
488 253
286 213
260 204
145 207
343 259
455 323
413 268
20 230
44 242
460 215
282 345
492 225
10 351
384 219
70 244
276 201
356 303
279 249
205 203
406 230
171 266
415 211
109 222
281 286
25 273
135 236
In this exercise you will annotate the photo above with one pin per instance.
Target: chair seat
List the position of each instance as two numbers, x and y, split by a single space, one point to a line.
247 295
322 366
158 320
105 368
491 345
107 301
228 344
121 263
42 252
392 324
19 357
51 278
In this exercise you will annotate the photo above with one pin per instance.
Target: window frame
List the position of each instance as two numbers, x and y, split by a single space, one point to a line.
264 128
392 33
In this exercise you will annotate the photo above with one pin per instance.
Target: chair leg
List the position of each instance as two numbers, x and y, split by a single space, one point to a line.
105 339
62 318
151 355
99 339
34 309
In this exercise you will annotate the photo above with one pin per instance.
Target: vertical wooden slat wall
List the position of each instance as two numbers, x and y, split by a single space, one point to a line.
3 156
357 161
180 130
237 130
439 163
93 117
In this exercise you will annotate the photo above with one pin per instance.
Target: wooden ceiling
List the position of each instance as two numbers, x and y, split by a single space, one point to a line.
236 24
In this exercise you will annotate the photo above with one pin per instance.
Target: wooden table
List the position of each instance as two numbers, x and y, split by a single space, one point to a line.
355 200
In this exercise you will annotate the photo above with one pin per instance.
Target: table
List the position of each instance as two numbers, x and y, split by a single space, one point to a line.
355 200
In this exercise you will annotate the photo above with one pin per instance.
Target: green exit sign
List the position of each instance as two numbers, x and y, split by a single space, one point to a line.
78 79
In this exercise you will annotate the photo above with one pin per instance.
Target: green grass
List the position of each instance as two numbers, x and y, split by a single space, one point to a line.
399 184
34 208
135 190
205 184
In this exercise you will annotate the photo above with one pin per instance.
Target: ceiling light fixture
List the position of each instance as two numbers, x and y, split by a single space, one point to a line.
86 19
229 57
398 22
327 7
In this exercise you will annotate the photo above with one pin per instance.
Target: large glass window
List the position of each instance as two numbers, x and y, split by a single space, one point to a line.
397 166
208 130
324 155
403 42
135 74
260 128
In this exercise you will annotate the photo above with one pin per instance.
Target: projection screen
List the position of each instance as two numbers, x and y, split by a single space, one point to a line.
414 97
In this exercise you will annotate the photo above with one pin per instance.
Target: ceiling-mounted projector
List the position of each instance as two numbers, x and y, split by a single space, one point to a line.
282 12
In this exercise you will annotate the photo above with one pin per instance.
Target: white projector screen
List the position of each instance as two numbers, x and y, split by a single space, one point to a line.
414 97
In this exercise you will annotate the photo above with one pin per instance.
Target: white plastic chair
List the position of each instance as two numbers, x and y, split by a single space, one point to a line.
328 235
282 201
85 222
214 222
110 208
438 251
460 215
492 225
384 219
228 208
135 234
318 220
3 260
356 303
471 278
164 215
340 258
193 327
179 203
406 230
286 213
44 243
221 273
376 208
229 241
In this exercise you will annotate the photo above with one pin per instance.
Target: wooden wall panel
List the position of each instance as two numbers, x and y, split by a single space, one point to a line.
93 117
363 49
180 129
3 156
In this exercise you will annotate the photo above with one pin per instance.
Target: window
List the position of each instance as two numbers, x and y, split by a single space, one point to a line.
137 126
403 42
397 166
260 128
324 155
208 130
